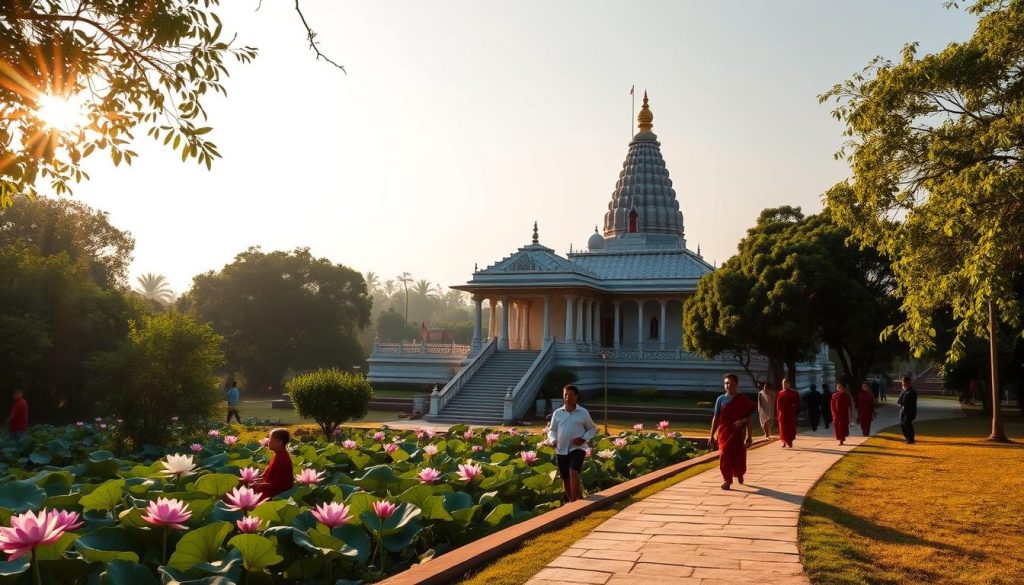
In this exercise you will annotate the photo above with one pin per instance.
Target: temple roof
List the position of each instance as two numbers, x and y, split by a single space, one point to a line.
655 265
645 189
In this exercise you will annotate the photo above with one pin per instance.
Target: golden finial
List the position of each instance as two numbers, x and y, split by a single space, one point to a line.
645 119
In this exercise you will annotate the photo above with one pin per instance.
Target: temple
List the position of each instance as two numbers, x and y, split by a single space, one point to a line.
612 312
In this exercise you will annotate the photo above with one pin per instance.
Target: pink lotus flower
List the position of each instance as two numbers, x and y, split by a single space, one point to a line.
249 475
384 509
349 444
390 448
421 433
120 421
230 440
513 431
528 457
103 426
28 531
492 438
638 427
243 498
79 424
478 448
331 514
196 447
429 475
168 512
249 524
213 433
468 435
606 454
467 472
174 419
379 436
265 442
546 443
68 521
671 435
310 477
587 451
337 431
663 425
620 442
430 450
97 419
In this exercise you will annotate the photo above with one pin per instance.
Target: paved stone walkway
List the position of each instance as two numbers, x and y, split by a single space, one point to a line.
695 533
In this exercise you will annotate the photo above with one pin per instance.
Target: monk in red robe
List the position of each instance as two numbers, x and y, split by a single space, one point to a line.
865 408
733 428
841 404
279 475
787 408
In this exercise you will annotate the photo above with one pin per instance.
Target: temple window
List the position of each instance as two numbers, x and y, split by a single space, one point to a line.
632 221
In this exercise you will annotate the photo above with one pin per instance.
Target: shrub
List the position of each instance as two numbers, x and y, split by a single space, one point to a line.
557 379
704 404
330 397
646 393
164 369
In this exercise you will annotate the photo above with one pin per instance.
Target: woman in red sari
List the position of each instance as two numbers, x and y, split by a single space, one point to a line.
787 407
841 405
865 408
735 431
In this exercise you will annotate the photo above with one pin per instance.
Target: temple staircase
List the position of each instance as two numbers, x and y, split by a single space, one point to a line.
481 399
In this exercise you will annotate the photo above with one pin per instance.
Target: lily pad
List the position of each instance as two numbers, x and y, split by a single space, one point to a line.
21 496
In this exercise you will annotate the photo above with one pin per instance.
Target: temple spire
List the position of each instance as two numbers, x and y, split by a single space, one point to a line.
645 119
536 238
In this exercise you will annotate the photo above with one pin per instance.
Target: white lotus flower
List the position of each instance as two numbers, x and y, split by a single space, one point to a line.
178 465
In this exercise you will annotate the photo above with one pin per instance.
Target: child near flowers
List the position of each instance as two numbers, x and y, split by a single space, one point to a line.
278 476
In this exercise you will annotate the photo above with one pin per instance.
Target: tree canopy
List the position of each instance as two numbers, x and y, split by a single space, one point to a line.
936 145
281 311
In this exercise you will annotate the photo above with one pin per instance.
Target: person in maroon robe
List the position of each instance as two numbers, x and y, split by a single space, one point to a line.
865 408
279 475
841 405
734 412
787 408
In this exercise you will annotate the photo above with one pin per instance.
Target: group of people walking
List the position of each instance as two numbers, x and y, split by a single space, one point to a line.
732 421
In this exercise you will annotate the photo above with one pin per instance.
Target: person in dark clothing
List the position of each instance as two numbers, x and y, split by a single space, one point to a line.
908 410
813 399
826 402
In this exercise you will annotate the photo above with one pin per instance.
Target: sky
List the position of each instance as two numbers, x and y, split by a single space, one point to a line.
459 124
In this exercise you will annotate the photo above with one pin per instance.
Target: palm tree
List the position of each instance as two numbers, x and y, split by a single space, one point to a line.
405 278
389 288
154 287
372 282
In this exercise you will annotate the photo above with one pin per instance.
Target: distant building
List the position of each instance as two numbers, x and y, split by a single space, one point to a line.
617 304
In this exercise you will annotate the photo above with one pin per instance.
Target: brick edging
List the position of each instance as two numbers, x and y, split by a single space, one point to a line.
458 562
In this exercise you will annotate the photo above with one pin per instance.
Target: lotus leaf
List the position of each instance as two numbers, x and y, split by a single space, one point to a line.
258 552
201 545
21 496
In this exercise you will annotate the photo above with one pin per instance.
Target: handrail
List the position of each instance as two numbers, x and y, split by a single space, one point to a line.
439 399
519 397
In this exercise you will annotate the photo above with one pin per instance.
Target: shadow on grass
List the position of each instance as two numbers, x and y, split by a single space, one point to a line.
868 529
819 450
869 450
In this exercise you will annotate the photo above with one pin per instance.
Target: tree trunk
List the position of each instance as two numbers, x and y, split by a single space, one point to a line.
790 373
998 434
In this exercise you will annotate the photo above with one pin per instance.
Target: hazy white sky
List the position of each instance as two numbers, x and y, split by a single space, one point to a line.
460 123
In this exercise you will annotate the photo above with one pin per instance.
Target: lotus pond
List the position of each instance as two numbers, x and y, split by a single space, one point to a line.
365 505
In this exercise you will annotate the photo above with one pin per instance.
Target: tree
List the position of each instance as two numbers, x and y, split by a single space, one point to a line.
330 397
165 368
405 278
392 327
372 282
54 320
281 311
56 226
154 287
936 145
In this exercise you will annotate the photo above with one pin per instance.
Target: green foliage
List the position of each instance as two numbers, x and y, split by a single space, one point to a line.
555 381
391 326
936 145
281 311
646 393
136 70
330 397
165 368
55 318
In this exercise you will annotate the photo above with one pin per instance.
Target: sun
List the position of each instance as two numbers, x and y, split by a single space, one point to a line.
60 113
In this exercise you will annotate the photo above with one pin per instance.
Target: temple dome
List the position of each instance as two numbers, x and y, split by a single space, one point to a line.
596 241
644 201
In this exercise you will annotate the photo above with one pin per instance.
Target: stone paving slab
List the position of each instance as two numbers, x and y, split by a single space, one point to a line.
695 533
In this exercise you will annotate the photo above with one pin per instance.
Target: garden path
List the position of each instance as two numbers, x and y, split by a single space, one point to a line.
694 533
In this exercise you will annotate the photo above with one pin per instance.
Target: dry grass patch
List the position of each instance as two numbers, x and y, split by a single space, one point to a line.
521 565
946 510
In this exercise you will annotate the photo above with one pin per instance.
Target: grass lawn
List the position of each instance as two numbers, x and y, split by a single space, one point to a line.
946 510
522 564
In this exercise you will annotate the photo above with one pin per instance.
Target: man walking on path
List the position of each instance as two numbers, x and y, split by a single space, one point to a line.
18 421
813 407
733 419
865 409
908 410
841 406
571 429
787 408
766 408
233 402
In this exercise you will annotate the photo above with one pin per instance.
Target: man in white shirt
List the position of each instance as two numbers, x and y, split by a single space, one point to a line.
571 429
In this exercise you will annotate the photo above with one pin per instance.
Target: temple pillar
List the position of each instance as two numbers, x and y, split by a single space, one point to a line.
640 324
492 321
661 324
579 320
503 334
597 323
477 319
615 333
568 318
547 319
526 326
